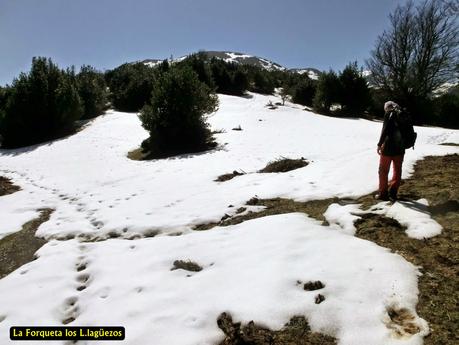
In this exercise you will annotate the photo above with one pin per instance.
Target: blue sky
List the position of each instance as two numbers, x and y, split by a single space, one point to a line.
106 33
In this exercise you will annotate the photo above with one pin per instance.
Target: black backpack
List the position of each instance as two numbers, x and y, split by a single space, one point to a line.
405 124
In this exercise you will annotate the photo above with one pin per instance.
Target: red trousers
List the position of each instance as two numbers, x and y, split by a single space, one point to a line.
384 166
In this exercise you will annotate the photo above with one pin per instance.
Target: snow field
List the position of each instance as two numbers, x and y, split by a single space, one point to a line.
255 271
96 189
250 270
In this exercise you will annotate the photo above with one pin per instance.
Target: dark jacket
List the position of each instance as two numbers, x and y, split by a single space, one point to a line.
391 137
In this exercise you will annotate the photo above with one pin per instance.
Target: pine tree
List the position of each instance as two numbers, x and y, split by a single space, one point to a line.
240 83
40 105
175 116
262 82
131 85
92 90
200 64
355 93
69 106
328 91
304 91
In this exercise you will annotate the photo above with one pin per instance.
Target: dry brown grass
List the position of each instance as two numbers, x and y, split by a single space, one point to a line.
186 265
19 248
283 165
295 332
227 177
7 187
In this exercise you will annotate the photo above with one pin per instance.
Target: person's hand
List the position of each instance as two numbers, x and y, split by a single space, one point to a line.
379 150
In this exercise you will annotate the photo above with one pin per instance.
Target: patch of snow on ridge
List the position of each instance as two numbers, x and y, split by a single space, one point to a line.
366 73
152 63
255 271
232 57
313 75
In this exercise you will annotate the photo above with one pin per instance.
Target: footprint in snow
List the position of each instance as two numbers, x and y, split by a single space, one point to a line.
81 266
104 292
70 310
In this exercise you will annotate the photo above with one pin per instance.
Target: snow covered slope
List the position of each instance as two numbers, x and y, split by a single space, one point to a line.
250 270
245 59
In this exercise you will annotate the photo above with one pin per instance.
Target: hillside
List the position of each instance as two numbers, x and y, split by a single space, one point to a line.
123 245
246 59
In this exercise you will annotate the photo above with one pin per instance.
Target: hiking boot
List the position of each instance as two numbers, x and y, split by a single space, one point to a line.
393 194
382 196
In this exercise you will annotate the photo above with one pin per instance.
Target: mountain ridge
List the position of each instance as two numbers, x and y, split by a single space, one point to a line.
244 59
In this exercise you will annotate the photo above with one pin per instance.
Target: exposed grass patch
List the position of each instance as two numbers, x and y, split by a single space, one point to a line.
314 209
284 165
19 248
295 332
186 265
227 177
312 286
7 187
137 154
450 144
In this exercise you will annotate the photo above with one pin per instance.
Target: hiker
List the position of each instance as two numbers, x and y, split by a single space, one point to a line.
391 149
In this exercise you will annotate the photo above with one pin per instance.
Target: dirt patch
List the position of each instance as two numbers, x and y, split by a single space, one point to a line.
227 177
295 332
7 187
284 165
186 265
19 248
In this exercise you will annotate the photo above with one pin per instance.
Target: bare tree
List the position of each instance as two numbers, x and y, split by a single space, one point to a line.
419 52
452 6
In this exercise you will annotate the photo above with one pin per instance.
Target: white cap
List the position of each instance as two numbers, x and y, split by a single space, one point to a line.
390 105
